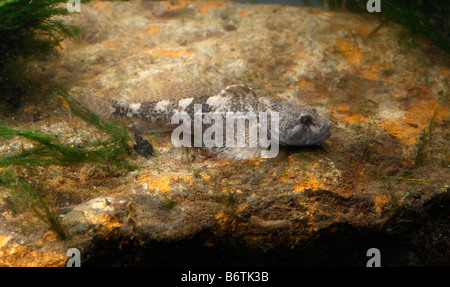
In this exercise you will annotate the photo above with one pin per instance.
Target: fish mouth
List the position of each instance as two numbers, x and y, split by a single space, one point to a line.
323 135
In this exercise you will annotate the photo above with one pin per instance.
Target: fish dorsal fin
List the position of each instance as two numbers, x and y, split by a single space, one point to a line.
160 87
239 90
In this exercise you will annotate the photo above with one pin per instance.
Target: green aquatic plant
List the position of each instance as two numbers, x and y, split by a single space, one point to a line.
167 201
366 144
421 18
196 173
428 18
308 155
366 128
386 184
48 150
21 197
228 198
410 179
423 146
29 28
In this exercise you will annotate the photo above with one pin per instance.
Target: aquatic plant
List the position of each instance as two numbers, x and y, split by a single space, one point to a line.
423 146
21 197
410 179
421 18
49 151
228 198
308 155
167 201
366 144
386 184
28 28
196 173
367 128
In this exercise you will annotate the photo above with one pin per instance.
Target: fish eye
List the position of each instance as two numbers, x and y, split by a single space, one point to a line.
306 120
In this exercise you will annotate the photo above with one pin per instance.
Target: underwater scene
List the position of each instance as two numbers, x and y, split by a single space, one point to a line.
234 134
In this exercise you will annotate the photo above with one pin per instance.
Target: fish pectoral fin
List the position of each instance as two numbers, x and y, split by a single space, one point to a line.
149 128
236 153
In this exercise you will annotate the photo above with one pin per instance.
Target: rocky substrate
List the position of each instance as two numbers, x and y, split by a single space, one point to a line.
324 205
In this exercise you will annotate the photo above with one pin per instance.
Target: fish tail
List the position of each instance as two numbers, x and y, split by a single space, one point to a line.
101 106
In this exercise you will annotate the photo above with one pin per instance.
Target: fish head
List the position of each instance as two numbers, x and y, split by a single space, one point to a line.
302 126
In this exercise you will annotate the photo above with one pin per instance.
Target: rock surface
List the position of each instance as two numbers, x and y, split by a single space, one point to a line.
309 206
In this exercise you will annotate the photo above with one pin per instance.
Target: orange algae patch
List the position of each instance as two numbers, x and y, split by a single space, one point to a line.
302 82
102 5
400 129
105 220
243 14
170 53
371 74
213 4
162 183
4 240
311 182
22 256
221 217
109 43
254 161
288 173
380 201
408 130
341 108
351 52
153 31
354 57
346 115
364 30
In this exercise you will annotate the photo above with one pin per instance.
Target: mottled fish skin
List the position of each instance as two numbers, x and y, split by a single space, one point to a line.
298 125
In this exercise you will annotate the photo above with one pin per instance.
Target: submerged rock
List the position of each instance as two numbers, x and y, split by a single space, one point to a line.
378 93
